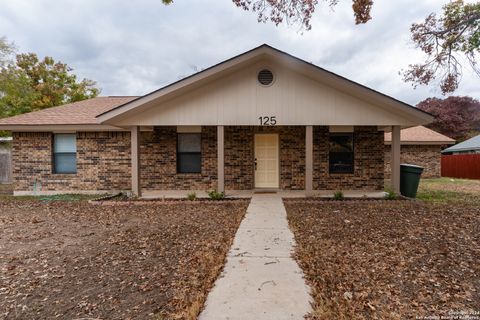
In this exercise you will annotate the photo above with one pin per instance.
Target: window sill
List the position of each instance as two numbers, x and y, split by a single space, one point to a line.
64 173
188 173
341 173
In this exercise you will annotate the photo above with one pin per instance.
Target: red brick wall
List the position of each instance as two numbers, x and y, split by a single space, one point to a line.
427 156
103 162
158 158
368 161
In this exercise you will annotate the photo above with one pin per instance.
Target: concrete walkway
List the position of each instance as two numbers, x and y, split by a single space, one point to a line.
260 279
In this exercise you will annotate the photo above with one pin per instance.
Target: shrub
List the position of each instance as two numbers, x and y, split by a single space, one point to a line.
338 195
391 195
192 196
215 195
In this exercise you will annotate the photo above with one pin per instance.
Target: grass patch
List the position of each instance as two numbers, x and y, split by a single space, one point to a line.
438 195
445 180
448 190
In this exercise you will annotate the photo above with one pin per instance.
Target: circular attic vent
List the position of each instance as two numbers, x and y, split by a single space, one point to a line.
265 77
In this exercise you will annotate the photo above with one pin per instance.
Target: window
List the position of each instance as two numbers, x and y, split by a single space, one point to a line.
341 153
189 152
65 153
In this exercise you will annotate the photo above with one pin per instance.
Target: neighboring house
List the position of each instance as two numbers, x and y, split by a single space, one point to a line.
261 120
5 160
420 146
470 146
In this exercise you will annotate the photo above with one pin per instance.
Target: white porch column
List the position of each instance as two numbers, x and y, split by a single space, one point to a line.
135 153
221 158
308 160
395 159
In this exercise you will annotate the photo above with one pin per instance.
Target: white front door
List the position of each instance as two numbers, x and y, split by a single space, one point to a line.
266 161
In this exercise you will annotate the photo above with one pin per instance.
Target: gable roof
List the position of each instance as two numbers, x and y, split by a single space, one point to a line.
107 113
420 135
237 62
471 144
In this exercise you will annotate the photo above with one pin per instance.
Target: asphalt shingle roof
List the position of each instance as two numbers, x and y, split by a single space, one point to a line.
467 145
420 134
82 112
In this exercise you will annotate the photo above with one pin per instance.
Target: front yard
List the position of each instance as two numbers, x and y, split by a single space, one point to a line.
391 259
71 259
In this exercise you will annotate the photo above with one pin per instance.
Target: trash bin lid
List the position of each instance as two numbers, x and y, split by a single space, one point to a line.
411 168
410 165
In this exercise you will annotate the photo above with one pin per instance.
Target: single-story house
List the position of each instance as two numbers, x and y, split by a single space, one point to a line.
421 146
261 120
470 146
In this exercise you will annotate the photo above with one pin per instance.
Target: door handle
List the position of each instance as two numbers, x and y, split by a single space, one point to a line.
255 164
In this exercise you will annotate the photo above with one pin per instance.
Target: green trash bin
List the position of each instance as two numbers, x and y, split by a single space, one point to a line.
409 179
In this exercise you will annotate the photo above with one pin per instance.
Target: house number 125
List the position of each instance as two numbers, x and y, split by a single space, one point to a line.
268 121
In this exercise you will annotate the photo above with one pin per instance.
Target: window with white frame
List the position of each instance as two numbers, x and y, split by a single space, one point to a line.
64 153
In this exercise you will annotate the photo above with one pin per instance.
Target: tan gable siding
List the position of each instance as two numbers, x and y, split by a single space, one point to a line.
238 99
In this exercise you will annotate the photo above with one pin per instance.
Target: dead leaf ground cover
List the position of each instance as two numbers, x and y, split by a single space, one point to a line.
388 259
71 259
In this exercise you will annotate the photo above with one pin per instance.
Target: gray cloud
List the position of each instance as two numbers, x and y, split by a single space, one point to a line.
133 47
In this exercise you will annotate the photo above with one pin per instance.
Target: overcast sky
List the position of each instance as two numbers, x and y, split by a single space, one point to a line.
131 47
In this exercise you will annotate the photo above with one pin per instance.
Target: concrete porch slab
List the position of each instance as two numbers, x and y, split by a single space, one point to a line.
179 194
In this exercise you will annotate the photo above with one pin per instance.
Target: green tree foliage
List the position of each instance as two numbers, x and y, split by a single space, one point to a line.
30 84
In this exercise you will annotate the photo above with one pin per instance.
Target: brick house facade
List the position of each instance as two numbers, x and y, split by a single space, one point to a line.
261 120
104 161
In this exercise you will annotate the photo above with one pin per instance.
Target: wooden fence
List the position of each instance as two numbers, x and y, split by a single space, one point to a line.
465 166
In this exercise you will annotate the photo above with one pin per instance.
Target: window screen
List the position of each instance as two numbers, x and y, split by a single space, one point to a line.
189 153
341 153
65 153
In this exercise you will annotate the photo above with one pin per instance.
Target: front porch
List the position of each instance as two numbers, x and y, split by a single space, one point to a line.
229 161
